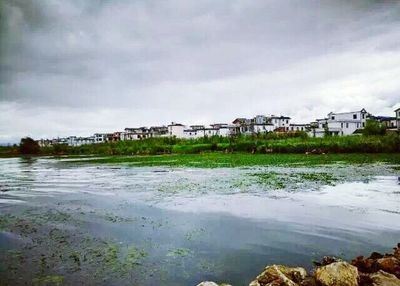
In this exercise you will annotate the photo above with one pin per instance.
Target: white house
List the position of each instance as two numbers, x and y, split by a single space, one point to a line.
193 133
262 127
136 133
224 129
100 137
280 122
397 111
158 131
176 129
344 123
293 127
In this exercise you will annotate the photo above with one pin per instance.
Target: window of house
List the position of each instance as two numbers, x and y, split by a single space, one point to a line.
363 124
363 116
341 125
354 116
347 125
287 121
333 117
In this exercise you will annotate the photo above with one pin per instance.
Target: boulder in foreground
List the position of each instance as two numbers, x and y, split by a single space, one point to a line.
337 273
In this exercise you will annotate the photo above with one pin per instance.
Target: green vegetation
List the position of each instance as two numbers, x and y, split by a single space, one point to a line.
294 180
374 127
297 142
28 146
179 252
270 143
214 160
49 280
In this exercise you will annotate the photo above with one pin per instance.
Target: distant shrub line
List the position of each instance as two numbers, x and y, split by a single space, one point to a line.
270 143
265 143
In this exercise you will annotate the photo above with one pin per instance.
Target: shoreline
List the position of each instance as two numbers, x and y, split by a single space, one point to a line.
375 270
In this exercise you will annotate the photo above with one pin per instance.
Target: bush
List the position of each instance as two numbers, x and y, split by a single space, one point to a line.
28 146
373 127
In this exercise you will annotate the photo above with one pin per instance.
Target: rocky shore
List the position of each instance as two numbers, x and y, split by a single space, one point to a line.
376 270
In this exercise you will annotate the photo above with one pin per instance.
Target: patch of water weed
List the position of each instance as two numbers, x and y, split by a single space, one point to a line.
321 177
6 221
195 234
54 216
273 180
133 257
113 260
179 252
48 280
116 218
294 180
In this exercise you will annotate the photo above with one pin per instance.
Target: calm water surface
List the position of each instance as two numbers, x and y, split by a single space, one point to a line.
122 225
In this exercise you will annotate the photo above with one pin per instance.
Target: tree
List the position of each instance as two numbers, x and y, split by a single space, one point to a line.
374 127
28 146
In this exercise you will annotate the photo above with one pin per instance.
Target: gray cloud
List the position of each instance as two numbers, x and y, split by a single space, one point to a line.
76 67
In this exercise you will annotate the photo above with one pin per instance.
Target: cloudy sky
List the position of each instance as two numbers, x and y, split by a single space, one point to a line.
76 67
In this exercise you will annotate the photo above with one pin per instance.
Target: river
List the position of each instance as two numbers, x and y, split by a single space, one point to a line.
75 223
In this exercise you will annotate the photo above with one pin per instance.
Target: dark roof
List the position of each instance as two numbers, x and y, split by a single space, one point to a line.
384 118
280 117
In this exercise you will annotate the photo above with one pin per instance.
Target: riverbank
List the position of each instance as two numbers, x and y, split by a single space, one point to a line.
293 143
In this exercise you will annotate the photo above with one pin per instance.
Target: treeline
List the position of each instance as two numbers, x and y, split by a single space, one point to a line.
269 143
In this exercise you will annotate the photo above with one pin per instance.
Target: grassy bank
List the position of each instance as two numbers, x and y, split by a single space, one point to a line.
271 143
298 143
212 160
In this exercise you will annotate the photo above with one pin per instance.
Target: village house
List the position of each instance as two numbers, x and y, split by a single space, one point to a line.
158 131
390 122
195 131
224 129
100 137
261 124
397 111
339 124
136 133
293 127
176 129
280 123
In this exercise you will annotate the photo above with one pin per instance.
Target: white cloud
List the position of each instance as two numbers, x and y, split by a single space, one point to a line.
80 67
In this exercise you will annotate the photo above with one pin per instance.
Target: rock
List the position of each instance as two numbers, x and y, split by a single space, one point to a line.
366 265
337 273
389 264
382 278
280 275
397 251
327 260
209 283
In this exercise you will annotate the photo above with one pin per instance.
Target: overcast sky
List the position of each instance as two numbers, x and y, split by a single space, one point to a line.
76 67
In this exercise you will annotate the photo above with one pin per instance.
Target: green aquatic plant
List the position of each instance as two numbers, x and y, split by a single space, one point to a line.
271 179
179 252
216 160
48 280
